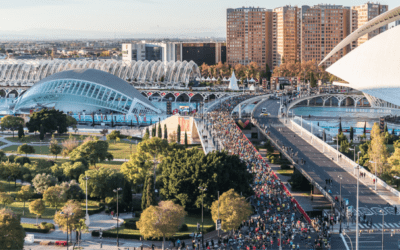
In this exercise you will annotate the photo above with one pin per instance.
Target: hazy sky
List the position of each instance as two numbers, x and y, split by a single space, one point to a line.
133 16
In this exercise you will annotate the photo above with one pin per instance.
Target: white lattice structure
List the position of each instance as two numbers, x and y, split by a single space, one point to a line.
140 73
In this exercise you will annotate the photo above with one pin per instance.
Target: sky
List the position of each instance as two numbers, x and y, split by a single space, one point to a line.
129 18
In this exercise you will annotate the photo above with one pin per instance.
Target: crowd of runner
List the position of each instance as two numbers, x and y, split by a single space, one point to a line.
278 220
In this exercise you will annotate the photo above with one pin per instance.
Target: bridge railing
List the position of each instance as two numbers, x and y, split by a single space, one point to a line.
333 153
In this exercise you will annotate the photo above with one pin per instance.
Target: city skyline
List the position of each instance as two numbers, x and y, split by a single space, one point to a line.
59 19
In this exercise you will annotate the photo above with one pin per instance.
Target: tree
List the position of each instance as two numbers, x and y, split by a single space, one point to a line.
55 148
386 128
11 231
91 152
178 134
153 131
102 182
232 210
186 140
54 196
378 150
6 199
183 171
148 198
137 168
11 122
365 128
159 131
351 133
70 216
26 149
114 135
37 207
21 131
340 127
394 160
143 203
71 122
72 190
165 132
74 170
48 120
163 220
42 182
24 195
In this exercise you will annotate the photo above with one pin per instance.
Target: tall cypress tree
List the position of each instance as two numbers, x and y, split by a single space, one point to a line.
365 128
151 197
159 131
178 134
340 127
186 140
351 133
20 132
393 131
165 132
41 135
153 132
386 128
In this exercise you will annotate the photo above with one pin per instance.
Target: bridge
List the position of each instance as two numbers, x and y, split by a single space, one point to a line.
318 161
186 96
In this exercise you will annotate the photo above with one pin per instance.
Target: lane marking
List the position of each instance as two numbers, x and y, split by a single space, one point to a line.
344 242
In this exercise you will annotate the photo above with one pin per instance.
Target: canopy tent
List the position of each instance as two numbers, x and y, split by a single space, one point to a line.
252 87
252 80
233 82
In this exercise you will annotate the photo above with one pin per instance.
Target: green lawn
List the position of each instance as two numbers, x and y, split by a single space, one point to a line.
44 150
6 186
284 171
121 150
190 221
47 138
17 207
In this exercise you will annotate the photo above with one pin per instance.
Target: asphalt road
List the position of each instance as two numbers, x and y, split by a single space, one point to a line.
367 241
320 168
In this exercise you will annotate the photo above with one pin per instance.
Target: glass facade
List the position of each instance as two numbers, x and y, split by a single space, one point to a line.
154 53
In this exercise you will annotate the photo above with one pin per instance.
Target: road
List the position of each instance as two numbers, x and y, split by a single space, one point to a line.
366 241
320 168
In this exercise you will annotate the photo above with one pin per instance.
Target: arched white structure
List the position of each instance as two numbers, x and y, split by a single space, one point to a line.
377 22
373 67
89 90
157 74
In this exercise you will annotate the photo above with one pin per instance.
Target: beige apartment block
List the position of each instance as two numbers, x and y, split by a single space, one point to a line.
322 28
285 35
249 36
361 15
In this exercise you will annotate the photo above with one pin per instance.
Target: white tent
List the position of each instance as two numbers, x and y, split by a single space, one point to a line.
233 82
203 79
252 80
225 80
213 79
252 88
208 79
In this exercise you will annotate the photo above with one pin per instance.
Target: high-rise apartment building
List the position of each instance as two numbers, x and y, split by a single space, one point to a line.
285 35
249 36
364 13
322 27
289 34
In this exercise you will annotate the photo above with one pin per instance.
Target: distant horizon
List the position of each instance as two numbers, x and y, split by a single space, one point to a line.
127 19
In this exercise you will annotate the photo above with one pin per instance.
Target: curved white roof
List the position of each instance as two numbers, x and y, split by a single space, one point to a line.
373 67
377 22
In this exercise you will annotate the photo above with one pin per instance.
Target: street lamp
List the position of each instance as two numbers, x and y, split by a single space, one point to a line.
116 191
202 219
375 173
67 215
87 220
383 220
340 177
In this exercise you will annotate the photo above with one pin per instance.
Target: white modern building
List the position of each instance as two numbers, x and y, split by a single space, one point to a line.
373 67
141 51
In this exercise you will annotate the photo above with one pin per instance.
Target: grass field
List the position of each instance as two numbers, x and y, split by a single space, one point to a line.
6 186
44 150
190 221
121 150
285 171
18 207
47 138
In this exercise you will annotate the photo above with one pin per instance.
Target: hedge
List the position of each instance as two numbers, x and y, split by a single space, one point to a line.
37 230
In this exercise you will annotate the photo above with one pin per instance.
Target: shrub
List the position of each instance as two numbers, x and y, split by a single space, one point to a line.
284 166
11 158
183 228
46 226
21 160
69 145
113 135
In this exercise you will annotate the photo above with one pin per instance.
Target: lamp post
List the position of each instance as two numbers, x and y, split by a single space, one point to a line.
116 191
353 149
383 221
375 173
340 177
67 215
87 220
202 221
